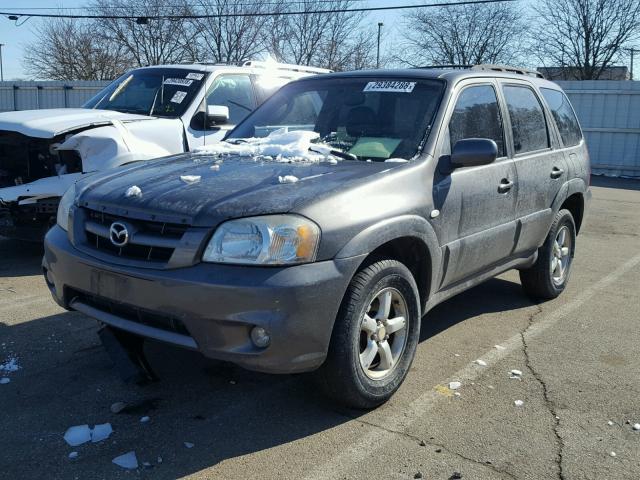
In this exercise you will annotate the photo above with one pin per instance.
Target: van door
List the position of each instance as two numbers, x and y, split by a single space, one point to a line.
540 165
476 204
232 90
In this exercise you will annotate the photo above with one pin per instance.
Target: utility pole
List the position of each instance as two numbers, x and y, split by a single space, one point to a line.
380 24
1 70
632 50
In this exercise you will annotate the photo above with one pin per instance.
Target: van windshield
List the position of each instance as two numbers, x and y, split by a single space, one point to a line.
371 119
159 92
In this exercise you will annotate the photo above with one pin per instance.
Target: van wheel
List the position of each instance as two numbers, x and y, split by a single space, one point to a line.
374 337
548 277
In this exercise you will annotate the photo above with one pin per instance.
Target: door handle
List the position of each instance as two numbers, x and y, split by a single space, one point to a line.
556 172
505 185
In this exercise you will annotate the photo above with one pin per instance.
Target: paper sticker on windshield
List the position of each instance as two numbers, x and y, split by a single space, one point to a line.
182 82
195 76
178 97
390 86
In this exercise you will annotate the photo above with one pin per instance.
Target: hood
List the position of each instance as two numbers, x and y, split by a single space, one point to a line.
49 123
170 190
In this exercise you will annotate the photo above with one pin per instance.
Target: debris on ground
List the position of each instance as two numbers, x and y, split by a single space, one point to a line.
144 419
612 454
146 465
457 394
482 363
515 374
288 179
117 407
609 423
636 426
455 476
190 179
499 347
215 167
133 191
454 385
159 459
127 460
456 354
418 475
77 435
73 455
423 443
4 380
101 432
518 403
188 444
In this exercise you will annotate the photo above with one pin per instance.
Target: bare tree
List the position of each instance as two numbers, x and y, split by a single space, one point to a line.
330 40
160 40
69 50
231 39
585 36
462 35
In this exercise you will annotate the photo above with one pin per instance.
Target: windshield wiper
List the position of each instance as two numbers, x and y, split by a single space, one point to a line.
334 151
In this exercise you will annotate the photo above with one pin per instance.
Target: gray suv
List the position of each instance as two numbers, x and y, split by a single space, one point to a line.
332 219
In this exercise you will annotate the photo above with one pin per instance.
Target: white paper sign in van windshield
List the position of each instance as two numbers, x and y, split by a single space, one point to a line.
390 86
182 82
195 76
179 96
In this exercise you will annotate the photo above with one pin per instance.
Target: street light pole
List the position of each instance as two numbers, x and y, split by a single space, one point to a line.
1 70
380 24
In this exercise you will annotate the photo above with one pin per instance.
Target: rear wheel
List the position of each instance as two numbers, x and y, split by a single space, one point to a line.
374 338
548 277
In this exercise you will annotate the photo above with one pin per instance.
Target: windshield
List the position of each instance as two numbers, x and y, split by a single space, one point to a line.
160 92
370 119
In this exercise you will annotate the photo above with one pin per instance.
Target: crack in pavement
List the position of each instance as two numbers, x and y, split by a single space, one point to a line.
545 392
490 466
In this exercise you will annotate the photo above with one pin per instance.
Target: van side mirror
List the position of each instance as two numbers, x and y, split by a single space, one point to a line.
470 152
217 114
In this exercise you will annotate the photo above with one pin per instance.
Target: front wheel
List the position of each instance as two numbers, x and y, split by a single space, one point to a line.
374 337
548 277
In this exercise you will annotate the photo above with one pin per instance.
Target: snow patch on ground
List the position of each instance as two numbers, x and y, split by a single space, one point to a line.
79 434
482 363
454 385
127 460
518 403
10 365
4 380
188 444
279 145
101 432
288 179
190 179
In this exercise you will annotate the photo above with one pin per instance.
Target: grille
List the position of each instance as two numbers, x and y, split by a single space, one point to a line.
151 241
129 312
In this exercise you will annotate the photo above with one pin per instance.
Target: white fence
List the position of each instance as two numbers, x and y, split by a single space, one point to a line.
609 112
36 95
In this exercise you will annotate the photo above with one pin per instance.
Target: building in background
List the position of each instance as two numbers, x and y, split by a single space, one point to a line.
571 73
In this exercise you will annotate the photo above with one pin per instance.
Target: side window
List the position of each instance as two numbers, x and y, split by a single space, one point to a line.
477 115
564 116
235 92
528 124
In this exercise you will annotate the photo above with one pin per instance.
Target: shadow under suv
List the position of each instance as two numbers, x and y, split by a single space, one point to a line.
332 219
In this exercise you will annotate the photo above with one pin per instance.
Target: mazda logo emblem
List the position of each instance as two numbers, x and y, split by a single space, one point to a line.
119 234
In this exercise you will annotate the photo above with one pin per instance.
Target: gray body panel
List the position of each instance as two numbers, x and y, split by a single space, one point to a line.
469 228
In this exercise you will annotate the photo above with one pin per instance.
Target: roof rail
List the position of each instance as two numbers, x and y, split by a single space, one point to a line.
508 69
449 66
285 66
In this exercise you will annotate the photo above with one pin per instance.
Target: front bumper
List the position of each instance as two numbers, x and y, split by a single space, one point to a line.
208 307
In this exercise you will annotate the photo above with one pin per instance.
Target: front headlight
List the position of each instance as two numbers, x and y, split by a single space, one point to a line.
267 240
64 206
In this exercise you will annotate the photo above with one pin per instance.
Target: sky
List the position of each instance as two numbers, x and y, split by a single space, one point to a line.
14 38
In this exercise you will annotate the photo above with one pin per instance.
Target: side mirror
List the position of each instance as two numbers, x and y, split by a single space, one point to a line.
217 114
470 152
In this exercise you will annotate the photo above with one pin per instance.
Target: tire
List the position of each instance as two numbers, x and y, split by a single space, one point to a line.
343 376
544 279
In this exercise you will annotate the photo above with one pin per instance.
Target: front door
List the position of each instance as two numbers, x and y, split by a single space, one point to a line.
234 91
476 222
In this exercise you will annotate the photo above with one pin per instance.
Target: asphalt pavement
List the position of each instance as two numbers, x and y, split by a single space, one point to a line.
578 393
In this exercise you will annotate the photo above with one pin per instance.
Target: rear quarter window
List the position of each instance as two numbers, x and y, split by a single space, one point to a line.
528 125
564 116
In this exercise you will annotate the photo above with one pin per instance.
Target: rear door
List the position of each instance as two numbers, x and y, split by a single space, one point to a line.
476 225
540 163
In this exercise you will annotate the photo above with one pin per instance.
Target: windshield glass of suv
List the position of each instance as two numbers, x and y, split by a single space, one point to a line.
370 118
160 92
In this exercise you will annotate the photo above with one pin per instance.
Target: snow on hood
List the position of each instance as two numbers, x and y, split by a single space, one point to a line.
48 123
278 145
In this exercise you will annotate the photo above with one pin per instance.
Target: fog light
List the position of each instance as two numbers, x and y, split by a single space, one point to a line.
260 337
